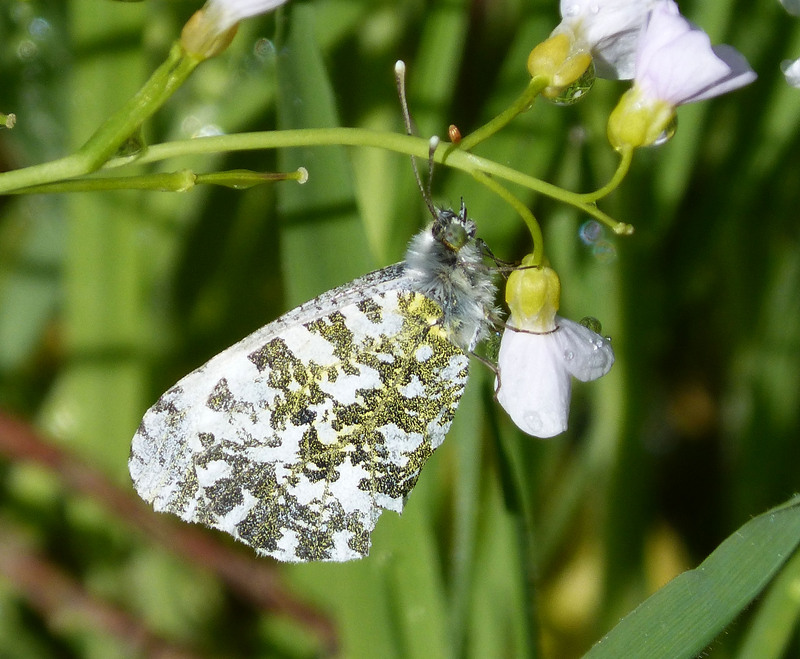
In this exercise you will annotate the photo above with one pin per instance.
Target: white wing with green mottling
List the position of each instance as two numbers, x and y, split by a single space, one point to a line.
295 439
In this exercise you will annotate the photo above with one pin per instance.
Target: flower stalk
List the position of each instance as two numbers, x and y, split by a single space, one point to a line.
540 352
103 144
521 104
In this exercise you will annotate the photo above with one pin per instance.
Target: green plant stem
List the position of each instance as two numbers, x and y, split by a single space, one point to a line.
179 181
622 171
522 104
113 132
410 145
413 146
522 209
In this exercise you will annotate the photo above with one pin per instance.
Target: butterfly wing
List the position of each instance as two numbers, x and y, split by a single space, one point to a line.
296 438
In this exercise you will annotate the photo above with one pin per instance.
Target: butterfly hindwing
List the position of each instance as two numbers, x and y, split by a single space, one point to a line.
296 438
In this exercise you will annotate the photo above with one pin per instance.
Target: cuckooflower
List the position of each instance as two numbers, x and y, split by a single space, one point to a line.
540 352
606 29
675 64
210 30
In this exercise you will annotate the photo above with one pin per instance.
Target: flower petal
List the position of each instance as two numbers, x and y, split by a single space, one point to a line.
677 64
586 354
739 74
226 13
609 29
533 386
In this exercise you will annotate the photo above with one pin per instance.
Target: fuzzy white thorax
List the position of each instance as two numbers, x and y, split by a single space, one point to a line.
446 264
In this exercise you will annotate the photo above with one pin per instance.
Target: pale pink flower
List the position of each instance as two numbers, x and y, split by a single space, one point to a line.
226 13
535 370
677 64
606 29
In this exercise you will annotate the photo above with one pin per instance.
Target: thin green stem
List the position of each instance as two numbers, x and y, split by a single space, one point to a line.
522 209
410 145
111 134
179 181
619 175
522 104
413 146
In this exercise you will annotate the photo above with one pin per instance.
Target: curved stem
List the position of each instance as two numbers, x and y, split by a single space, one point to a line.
522 209
616 179
178 181
410 145
113 132
523 103
407 144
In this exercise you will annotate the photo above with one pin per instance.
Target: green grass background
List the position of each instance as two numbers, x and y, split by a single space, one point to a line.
509 546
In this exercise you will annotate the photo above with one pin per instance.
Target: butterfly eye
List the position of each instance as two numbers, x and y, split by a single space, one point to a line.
455 236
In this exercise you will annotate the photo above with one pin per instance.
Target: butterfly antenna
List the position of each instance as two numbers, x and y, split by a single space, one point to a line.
433 144
400 78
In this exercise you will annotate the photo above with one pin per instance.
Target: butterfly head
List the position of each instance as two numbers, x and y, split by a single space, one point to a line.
453 230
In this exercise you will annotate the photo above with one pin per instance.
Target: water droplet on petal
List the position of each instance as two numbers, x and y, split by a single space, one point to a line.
667 133
533 419
590 322
576 90
569 355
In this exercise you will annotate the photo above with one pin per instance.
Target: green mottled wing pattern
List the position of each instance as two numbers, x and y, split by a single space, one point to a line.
295 439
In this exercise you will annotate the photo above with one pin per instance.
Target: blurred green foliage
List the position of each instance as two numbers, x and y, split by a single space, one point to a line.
509 546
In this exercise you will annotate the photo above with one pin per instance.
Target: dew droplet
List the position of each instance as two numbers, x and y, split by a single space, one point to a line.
590 322
263 49
27 50
668 132
208 130
133 146
533 420
39 28
590 232
577 90
569 355
604 251
194 125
